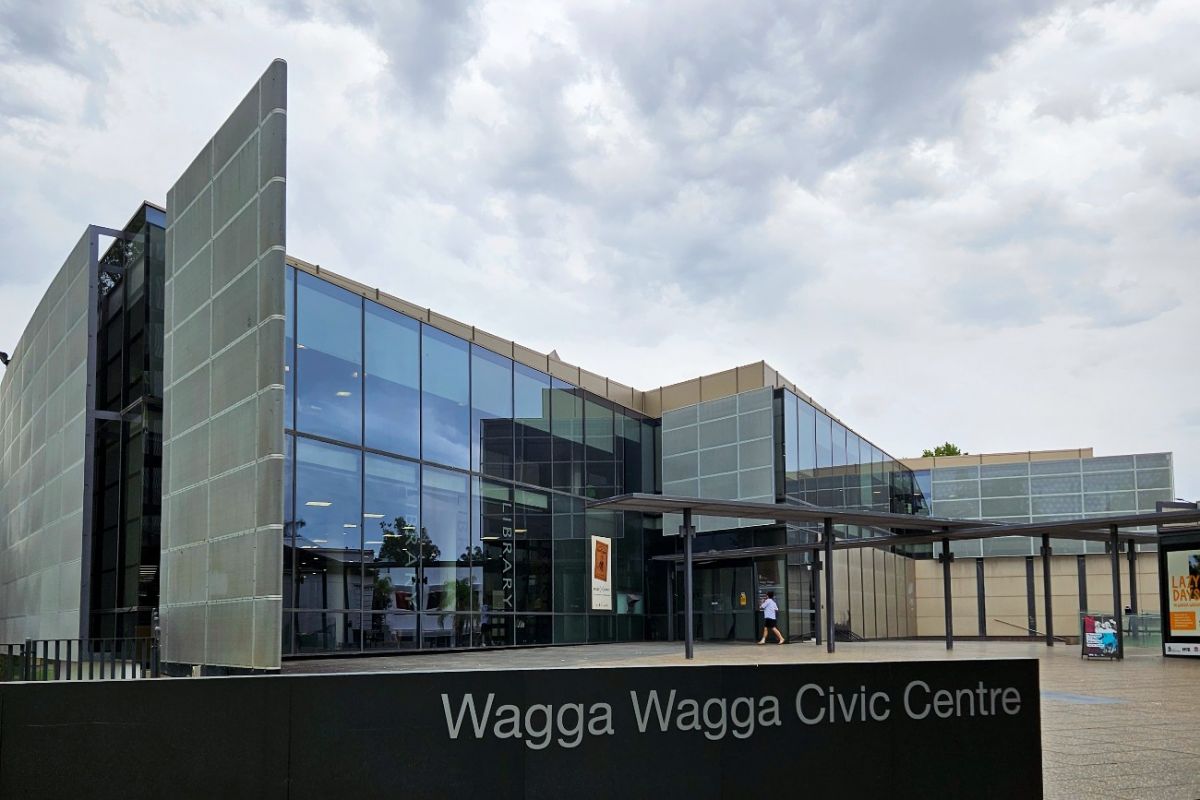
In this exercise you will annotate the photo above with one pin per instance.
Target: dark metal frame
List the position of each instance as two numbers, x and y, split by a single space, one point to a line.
91 415
913 530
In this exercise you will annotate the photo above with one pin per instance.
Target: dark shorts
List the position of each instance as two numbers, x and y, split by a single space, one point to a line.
768 623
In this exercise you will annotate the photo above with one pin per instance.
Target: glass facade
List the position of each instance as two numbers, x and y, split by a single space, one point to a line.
1046 491
126 558
435 490
768 445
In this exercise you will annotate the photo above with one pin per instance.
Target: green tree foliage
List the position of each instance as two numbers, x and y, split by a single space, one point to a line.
947 449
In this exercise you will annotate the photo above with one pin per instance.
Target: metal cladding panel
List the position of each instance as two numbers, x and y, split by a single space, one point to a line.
42 409
223 391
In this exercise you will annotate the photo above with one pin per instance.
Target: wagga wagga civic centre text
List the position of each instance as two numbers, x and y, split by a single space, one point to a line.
566 724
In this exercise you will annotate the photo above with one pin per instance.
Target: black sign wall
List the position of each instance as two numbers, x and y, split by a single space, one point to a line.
904 729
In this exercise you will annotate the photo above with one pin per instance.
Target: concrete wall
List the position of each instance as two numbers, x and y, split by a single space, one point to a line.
874 593
1006 595
223 430
42 400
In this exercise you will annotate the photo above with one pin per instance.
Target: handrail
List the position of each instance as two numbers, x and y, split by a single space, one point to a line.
1030 630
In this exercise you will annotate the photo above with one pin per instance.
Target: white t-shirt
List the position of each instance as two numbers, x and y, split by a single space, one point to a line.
769 608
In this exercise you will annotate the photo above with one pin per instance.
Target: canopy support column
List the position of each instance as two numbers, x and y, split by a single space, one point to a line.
1115 556
1046 596
827 540
688 533
946 558
1133 593
816 589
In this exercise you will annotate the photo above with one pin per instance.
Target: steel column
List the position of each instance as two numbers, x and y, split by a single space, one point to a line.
816 589
947 557
1115 555
1083 598
1046 596
980 597
827 540
688 533
1030 599
1133 593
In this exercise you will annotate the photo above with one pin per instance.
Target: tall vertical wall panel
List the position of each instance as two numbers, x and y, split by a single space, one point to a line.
42 407
223 429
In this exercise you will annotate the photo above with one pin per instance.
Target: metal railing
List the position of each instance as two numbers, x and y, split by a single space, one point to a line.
80 659
1031 631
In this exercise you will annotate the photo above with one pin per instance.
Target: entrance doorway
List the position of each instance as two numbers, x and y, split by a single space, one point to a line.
726 596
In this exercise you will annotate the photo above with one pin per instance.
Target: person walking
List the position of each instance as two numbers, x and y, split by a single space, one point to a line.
770 611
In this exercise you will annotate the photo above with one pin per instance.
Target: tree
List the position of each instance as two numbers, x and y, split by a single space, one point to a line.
947 449
403 545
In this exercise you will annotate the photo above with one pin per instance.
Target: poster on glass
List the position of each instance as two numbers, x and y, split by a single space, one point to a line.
601 557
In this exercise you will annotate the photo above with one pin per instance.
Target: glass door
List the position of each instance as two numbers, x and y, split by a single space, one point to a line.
723 599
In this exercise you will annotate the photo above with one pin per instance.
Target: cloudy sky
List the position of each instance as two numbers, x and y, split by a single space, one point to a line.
944 220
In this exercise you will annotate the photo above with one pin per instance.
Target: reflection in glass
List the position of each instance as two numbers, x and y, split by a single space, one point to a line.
393 381
566 426
327 545
531 409
791 453
533 533
601 459
491 413
289 347
494 561
446 529
328 360
445 398
327 536
393 550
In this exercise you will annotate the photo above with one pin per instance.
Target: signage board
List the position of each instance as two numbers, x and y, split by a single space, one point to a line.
906 729
1183 576
601 563
1101 636
1179 591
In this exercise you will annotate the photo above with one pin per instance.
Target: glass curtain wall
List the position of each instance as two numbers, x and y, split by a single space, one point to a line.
435 489
127 484
827 464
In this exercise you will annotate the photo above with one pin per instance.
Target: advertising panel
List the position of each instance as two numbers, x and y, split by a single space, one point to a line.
1183 593
601 554
1100 636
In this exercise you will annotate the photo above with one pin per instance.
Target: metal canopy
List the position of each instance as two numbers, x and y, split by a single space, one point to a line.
889 530
912 529
800 513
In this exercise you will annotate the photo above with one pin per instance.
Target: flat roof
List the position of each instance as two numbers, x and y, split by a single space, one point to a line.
913 529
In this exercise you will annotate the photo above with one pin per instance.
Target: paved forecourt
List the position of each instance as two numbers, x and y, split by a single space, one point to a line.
1109 729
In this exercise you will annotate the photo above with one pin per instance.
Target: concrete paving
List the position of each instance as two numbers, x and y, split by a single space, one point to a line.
1124 729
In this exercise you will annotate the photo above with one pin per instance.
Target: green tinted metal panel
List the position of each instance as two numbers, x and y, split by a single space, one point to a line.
222 564
42 405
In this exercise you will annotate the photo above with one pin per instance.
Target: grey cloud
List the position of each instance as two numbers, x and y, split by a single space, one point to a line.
992 296
427 42
49 33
